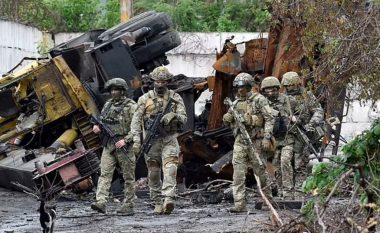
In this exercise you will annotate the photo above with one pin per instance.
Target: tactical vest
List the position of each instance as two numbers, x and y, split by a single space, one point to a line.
117 116
281 121
155 104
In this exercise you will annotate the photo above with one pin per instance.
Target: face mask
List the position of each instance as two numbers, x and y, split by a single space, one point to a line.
242 91
292 90
160 88
271 93
116 93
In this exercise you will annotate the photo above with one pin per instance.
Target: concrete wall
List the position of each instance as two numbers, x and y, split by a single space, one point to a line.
17 41
194 58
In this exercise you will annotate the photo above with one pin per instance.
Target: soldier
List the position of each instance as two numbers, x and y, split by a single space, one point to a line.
258 120
117 114
165 149
308 113
283 156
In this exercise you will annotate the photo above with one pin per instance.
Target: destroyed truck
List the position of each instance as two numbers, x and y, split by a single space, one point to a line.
46 136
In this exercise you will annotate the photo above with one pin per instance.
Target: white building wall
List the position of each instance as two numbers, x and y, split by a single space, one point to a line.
193 58
17 41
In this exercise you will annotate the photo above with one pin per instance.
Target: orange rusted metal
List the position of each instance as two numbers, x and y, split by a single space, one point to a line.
254 55
285 50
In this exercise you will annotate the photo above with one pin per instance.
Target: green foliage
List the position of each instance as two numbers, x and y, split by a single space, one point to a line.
205 16
188 15
362 154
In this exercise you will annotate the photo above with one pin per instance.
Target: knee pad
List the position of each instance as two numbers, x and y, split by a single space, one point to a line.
153 165
170 165
286 153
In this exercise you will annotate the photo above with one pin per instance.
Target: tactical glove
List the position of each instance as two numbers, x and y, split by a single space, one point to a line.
167 118
228 118
265 143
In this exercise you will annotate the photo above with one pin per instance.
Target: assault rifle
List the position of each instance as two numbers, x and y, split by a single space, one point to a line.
108 133
239 121
306 140
154 129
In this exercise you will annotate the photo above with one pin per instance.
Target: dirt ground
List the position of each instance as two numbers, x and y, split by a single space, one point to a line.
19 213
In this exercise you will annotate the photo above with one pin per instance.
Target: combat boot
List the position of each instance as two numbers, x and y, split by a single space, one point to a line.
125 210
158 209
168 206
239 208
99 207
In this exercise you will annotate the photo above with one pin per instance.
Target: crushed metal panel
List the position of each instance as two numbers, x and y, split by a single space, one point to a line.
254 55
18 166
289 51
219 164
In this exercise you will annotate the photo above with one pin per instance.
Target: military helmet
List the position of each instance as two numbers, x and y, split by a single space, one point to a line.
160 73
290 78
243 79
270 81
116 82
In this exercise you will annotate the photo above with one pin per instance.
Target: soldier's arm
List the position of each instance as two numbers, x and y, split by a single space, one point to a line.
180 109
137 119
267 112
315 109
288 108
132 109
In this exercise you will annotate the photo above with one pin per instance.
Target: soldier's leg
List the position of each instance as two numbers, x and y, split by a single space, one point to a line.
153 161
300 168
107 167
260 170
169 165
276 179
239 162
128 165
287 172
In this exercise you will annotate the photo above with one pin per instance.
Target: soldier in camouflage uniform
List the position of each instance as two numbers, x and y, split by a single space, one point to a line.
117 114
307 113
165 149
258 120
282 158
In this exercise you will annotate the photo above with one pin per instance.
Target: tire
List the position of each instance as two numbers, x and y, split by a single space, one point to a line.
156 47
157 22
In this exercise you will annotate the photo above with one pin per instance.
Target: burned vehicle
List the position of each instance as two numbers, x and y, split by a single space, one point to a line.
46 135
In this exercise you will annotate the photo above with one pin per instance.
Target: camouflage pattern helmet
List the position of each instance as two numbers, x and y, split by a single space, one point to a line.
270 81
116 82
243 79
161 73
290 78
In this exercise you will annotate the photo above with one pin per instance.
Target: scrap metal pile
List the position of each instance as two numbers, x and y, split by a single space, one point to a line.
45 129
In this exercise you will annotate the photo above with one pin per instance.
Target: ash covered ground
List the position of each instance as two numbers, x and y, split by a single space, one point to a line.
19 213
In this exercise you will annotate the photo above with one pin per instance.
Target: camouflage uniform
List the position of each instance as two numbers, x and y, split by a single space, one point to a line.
308 113
283 156
165 149
259 121
117 114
